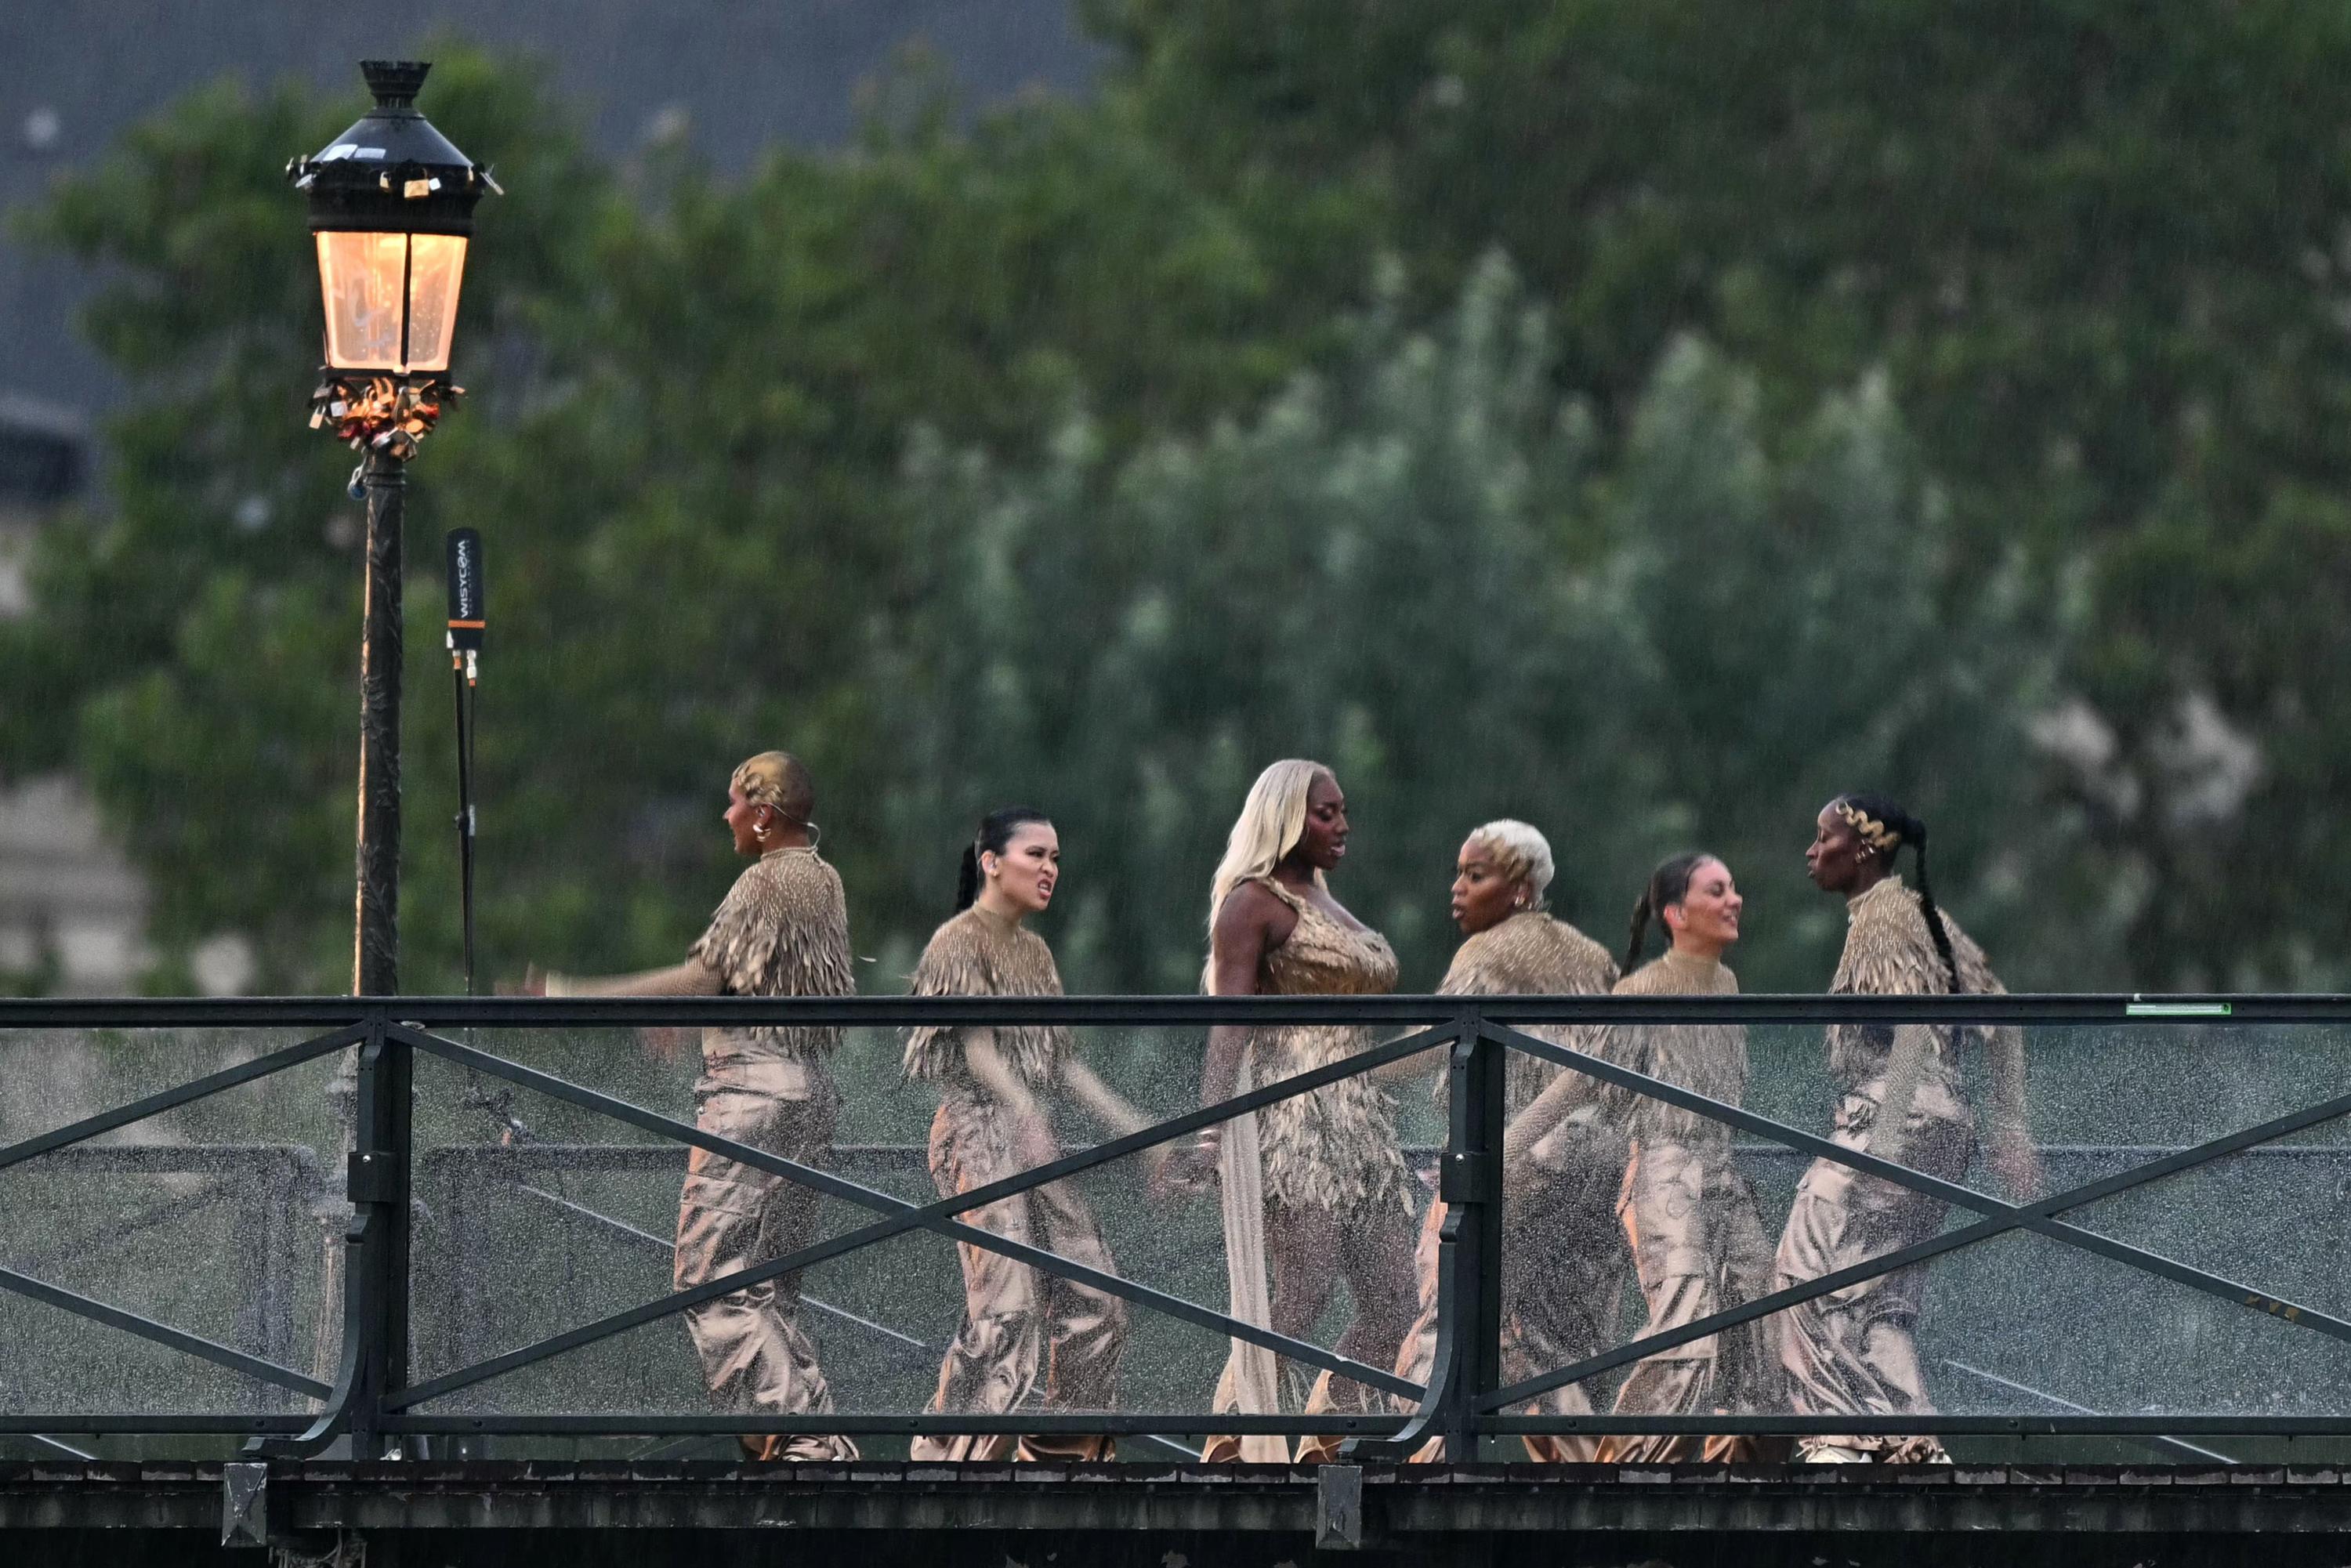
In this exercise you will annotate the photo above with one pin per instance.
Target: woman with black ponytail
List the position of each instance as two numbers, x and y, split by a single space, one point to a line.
1902 1099
1699 1245
1019 1326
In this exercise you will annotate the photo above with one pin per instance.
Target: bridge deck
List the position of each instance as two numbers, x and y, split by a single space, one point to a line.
581 1512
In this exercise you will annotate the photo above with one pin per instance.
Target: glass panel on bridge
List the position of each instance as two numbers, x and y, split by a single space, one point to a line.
220 1218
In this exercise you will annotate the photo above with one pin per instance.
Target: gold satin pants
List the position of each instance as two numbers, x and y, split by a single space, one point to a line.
729 1217
1021 1327
1854 1351
1563 1268
1700 1248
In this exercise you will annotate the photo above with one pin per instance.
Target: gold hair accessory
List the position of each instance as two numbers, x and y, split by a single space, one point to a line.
1874 834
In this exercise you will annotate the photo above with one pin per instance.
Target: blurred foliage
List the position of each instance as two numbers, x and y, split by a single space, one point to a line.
1412 567
1943 402
2098 248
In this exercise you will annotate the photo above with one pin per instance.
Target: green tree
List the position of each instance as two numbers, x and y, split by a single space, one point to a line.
2097 246
695 400
1414 568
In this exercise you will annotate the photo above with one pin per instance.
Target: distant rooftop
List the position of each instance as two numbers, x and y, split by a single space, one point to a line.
737 74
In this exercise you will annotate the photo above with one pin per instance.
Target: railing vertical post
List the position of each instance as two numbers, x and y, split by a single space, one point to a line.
1469 1256
379 1251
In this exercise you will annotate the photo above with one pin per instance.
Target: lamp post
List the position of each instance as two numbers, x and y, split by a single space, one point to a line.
391 208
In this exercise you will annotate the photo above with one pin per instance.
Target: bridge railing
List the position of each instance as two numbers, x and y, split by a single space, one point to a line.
416 1324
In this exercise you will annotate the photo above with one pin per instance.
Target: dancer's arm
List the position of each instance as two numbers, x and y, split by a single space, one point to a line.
1560 1099
1033 1135
1112 1109
2013 1157
695 977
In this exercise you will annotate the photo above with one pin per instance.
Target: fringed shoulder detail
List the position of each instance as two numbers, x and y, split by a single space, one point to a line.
1529 955
1709 1059
783 931
974 954
1887 949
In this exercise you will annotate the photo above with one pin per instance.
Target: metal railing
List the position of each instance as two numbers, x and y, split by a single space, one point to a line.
374 1402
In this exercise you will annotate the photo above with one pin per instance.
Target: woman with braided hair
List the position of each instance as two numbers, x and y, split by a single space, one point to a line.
782 931
1902 1098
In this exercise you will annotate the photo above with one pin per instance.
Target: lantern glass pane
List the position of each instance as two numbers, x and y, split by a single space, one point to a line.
361 278
437 269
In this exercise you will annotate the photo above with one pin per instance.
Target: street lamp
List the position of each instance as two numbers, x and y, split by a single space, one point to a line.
391 208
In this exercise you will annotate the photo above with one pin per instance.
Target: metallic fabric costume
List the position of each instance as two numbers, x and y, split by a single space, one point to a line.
782 931
1852 1350
1691 1216
1563 1260
1019 1324
1331 1157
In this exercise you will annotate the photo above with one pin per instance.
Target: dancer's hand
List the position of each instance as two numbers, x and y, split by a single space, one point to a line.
532 984
1189 1166
2018 1165
664 1043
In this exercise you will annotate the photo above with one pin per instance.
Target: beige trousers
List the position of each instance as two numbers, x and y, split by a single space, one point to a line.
1852 1350
1021 1328
730 1217
1563 1268
1699 1248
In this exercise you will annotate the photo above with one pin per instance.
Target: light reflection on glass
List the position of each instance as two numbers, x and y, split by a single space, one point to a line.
359 279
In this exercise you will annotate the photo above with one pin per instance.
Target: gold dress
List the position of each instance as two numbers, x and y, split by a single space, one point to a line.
1852 1350
1019 1327
782 931
1690 1215
1563 1260
1330 1154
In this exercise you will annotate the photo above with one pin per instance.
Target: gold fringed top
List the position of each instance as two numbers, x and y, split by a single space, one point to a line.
1529 955
1334 1149
976 953
1705 1059
1888 951
781 931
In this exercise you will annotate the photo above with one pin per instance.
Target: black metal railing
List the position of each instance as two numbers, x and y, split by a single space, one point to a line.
371 1399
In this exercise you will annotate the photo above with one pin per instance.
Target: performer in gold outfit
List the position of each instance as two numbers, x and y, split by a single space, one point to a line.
1563 1256
1019 1325
1315 1184
1691 1216
782 931
1902 1098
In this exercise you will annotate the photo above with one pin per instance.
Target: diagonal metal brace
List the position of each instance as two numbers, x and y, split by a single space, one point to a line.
2004 1217
148 1329
171 1099
914 1216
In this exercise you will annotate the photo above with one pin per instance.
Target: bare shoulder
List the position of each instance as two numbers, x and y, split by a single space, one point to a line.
1252 919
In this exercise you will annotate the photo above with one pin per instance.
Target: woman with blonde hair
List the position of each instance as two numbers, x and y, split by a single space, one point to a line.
1313 1186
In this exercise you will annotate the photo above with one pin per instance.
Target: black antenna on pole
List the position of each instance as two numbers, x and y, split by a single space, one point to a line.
466 624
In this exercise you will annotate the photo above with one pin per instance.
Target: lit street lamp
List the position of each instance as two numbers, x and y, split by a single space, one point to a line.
391 207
